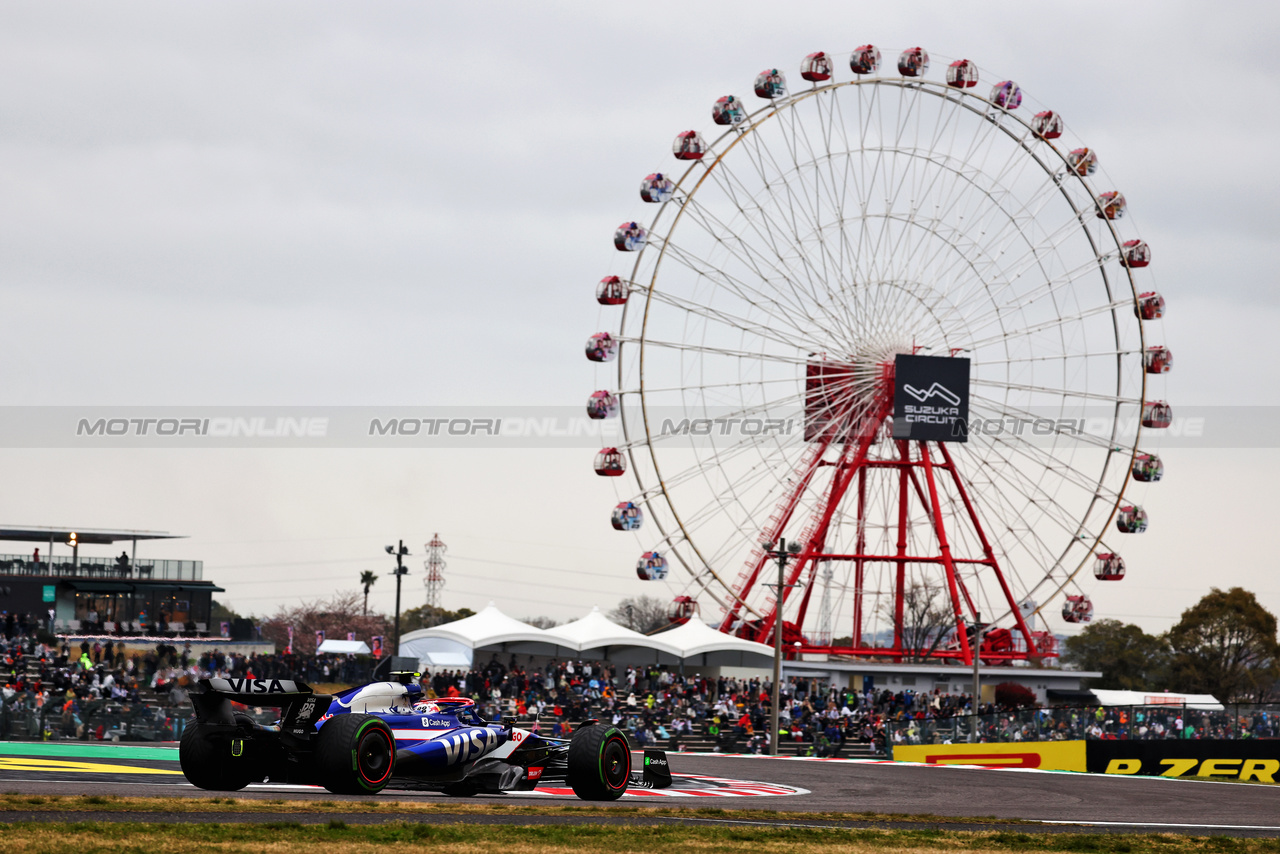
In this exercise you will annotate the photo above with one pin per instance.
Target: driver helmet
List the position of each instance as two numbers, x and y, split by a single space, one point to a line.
426 707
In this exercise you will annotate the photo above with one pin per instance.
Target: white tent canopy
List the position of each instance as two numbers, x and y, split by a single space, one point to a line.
594 636
698 643
488 630
341 646
1204 702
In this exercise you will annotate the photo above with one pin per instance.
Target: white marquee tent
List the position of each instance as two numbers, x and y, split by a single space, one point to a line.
594 636
700 644
344 646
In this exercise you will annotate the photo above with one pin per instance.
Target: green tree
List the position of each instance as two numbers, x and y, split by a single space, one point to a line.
367 579
426 617
219 612
1225 645
1129 658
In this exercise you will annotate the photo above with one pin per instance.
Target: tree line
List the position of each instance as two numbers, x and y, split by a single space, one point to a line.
1224 645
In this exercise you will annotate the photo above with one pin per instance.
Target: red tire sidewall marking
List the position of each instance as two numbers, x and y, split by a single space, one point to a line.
390 754
626 751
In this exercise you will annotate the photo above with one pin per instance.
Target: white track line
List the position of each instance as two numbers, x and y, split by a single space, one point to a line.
1159 824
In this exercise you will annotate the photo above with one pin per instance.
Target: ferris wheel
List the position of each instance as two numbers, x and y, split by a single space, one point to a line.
754 332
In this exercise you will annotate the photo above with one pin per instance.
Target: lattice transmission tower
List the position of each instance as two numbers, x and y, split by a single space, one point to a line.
434 578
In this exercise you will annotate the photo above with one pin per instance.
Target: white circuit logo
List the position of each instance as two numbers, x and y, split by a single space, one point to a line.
935 390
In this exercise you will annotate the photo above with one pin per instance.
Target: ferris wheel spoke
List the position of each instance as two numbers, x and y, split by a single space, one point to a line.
805 301
980 322
996 243
1057 392
1034 255
1016 413
1047 462
755 297
746 253
725 318
740 384
1034 495
718 351
814 276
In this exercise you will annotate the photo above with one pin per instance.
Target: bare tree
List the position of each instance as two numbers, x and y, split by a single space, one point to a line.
336 616
540 622
926 619
641 613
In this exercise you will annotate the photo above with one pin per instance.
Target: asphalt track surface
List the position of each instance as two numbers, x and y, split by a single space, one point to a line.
1059 801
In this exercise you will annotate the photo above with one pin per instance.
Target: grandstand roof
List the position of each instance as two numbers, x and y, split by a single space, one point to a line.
98 536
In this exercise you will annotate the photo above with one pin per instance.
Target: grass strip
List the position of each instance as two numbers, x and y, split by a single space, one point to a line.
338 837
17 802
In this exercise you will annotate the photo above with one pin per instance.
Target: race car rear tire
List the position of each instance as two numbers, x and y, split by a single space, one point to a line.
209 762
355 755
599 763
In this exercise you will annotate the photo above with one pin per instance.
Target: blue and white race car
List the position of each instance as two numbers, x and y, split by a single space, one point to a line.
387 733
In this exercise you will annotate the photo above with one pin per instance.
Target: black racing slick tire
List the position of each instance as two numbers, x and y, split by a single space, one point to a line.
211 762
355 755
599 763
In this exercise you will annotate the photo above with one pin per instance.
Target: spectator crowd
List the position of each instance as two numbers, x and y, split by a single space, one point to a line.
101 690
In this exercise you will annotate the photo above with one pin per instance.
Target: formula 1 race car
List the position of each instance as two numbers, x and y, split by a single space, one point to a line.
361 740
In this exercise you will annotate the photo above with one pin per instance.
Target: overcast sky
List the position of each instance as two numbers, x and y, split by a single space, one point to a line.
409 204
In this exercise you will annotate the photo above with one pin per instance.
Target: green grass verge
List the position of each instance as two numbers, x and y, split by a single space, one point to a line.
382 805
337 837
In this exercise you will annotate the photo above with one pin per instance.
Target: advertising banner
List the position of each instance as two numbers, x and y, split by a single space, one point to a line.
375 646
931 398
1243 759
288 650
1247 759
1047 755
319 638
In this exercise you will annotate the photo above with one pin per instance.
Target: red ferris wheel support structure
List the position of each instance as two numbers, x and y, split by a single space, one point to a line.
847 438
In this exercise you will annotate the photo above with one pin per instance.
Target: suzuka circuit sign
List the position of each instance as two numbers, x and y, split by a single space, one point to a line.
931 398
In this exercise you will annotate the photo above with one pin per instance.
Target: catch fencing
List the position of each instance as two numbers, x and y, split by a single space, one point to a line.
1145 722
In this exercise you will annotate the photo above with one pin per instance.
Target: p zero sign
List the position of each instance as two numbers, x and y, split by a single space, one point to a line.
1245 759
931 398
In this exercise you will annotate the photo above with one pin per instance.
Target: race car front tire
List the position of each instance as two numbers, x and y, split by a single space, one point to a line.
599 763
212 763
355 755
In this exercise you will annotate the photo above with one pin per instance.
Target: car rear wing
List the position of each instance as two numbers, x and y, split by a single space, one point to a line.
301 706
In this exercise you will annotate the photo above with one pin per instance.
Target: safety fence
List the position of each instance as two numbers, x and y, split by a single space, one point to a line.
95 721
1146 722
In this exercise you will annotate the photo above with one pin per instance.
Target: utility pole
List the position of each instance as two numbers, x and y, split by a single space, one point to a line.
784 551
977 689
400 553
